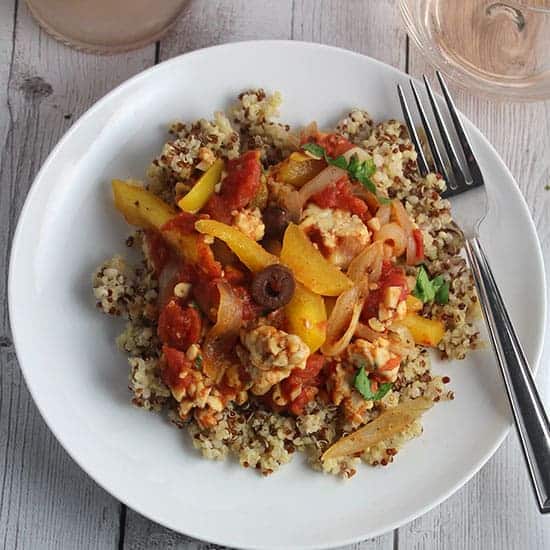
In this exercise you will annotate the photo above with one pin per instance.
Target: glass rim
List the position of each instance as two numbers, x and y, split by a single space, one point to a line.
524 4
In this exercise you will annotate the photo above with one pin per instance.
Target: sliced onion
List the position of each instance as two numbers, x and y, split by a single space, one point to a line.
343 321
220 339
365 332
402 218
392 234
383 214
366 267
412 256
331 174
167 280
295 200
387 424
401 340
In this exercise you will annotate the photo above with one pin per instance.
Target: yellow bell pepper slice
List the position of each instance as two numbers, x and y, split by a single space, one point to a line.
307 317
309 266
144 209
425 332
140 207
298 169
413 303
251 254
203 189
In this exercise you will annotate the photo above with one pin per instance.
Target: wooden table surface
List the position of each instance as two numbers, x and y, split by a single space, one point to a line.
46 501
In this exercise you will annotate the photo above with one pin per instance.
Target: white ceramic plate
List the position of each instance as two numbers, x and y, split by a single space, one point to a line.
78 380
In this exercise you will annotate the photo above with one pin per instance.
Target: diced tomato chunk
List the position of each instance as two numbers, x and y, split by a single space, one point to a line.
340 196
238 188
419 242
184 223
176 363
391 276
334 144
218 209
179 327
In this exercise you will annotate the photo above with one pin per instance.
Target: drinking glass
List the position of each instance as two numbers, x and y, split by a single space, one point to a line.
498 49
106 26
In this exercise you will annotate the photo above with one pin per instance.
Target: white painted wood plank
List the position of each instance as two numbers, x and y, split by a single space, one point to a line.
497 510
371 28
46 501
214 22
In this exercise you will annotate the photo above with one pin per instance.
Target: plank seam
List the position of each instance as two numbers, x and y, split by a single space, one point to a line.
122 526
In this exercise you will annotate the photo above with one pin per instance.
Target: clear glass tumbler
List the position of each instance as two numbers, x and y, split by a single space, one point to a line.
499 49
106 26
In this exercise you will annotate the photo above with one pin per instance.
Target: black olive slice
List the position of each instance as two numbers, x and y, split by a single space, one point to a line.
273 287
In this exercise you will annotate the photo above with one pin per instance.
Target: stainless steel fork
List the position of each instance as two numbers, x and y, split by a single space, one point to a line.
469 203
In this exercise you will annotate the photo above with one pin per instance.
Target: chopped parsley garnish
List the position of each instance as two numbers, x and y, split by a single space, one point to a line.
360 171
363 386
198 362
547 187
427 291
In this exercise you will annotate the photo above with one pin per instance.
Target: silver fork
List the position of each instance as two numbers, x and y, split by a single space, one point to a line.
469 209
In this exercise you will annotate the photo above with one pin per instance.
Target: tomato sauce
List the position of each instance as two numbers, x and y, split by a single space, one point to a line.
178 326
340 195
309 379
184 223
158 250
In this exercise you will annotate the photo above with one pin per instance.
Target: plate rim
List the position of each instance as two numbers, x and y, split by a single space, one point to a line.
22 221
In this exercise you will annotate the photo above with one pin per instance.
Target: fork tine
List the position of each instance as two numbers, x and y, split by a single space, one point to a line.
459 128
436 154
421 157
458 173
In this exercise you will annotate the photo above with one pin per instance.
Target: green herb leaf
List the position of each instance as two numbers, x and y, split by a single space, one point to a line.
314 149
423 289
360 171
363 386
198 362
383 200
339 162
427 291
442 294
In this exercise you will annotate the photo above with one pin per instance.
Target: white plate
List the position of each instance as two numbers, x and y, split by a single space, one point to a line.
78 379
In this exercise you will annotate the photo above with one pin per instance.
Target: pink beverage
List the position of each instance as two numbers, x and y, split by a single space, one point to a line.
106 26
498 47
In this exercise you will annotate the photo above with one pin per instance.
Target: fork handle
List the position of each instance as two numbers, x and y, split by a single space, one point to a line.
527 408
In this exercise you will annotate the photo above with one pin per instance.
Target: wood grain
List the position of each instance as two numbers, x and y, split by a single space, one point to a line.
371 28
497 509
46 500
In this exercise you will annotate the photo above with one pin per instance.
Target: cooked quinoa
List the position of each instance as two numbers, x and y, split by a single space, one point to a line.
261 410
